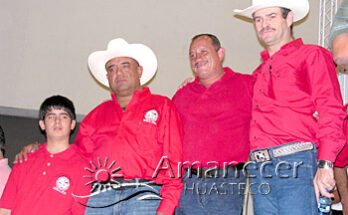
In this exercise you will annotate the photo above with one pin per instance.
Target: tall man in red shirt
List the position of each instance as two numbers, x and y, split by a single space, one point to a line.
132 138
293 81
216 110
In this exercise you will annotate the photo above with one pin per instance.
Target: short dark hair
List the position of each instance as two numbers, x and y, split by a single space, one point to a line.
57 102
2 141
285 12
215 41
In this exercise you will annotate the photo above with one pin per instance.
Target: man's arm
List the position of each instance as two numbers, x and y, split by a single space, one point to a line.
5 211
23 154
170 134
326 96
342 186
87 128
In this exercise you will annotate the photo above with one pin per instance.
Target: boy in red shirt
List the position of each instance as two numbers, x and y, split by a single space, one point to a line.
50 180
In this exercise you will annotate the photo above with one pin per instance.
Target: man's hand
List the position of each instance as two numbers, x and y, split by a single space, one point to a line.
25 150
187 81
323 181
316 115
5 211
159 213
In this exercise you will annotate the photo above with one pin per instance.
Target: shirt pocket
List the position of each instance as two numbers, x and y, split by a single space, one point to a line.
147 136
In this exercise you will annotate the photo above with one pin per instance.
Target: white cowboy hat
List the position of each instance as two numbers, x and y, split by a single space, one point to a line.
120 48
300 8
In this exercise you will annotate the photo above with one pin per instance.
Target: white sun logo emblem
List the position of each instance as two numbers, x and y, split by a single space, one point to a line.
102 175
151 116
63 183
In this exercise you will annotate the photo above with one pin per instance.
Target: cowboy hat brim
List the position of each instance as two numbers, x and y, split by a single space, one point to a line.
299 8
120 48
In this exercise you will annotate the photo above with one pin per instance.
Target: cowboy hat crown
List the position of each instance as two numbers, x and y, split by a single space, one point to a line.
120 48
300 8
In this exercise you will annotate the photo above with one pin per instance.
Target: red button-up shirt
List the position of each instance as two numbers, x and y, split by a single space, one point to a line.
46 183
137 139
216 120
290 86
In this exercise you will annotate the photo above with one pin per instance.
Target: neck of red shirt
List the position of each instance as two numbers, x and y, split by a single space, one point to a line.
123 100
55 147
207 82
272 49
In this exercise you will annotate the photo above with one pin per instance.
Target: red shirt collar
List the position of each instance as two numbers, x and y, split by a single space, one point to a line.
66 154
136 95
284 50
228 73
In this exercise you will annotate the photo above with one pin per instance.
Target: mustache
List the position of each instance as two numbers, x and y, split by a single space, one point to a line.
267 29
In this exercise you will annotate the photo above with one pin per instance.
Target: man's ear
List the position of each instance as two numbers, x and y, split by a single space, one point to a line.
73 124
140 71
42 125
221 54
290 18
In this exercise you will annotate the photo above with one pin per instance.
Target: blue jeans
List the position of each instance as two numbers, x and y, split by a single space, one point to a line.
284 185
210 196
132 206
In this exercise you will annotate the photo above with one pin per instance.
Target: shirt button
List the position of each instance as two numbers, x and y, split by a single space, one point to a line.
48 164
254 120
260 90
257 106
51 156
255 137
44 173
278 76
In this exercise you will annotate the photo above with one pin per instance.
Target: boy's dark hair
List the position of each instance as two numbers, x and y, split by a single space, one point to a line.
57 102
2 141
215 41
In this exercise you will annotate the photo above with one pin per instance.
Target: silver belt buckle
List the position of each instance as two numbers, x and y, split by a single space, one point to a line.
261 155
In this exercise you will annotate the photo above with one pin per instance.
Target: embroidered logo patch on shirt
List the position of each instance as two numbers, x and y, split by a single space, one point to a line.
62 184
151 116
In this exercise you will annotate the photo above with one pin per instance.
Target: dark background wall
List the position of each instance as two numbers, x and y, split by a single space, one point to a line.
21 131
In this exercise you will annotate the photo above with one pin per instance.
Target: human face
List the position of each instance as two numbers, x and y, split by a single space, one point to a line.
123 74
206 62
271 28
57 124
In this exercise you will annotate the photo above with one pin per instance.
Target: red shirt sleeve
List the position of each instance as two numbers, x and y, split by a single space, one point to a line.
171 136
327 99
83 139
81 192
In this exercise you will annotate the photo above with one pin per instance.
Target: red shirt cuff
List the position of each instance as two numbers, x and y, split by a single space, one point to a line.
166 207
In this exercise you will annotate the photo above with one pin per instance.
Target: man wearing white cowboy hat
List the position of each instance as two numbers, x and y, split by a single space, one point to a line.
134 131
288 146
